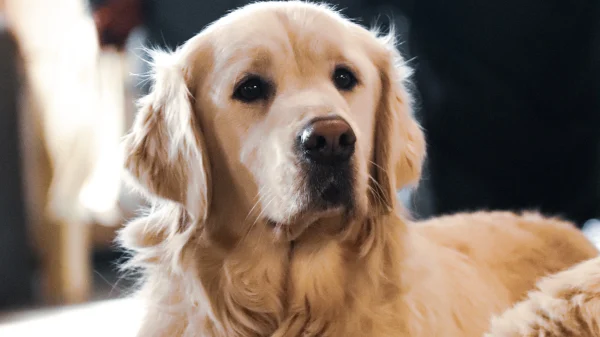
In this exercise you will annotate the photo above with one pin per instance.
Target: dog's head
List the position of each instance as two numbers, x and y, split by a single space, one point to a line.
280 113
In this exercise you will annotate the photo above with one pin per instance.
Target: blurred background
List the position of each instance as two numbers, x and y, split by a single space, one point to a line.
508 94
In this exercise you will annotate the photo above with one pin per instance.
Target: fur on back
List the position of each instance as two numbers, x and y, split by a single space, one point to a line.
227 247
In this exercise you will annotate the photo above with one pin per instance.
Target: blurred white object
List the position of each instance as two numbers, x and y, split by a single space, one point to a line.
75 122
100 194
80 91
114 318
591 229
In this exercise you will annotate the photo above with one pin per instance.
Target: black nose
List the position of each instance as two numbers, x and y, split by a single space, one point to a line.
327 140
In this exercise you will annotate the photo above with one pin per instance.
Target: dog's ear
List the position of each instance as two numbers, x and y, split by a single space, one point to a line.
165 150
399 144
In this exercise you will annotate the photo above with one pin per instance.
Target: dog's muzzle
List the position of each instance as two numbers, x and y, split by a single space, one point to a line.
325 147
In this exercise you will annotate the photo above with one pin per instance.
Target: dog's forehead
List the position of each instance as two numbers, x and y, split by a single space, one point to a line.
263 31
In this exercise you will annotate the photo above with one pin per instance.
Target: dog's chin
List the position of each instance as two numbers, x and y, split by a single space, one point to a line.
327 206
328 220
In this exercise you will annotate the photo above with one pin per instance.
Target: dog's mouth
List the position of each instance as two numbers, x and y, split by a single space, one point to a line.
327 205
331 220
330 186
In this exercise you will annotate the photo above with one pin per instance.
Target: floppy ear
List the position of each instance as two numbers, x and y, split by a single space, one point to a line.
399 144
165 150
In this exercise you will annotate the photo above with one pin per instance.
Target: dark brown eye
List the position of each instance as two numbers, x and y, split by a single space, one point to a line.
344 79
251 89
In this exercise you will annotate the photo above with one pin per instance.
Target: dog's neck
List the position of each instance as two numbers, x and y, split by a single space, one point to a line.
336 283
261 286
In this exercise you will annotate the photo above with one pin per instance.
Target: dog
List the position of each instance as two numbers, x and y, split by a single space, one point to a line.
271 148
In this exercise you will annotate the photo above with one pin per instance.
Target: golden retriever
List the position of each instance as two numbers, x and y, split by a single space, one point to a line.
272 146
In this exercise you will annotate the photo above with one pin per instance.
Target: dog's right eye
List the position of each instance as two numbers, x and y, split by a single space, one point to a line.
251 89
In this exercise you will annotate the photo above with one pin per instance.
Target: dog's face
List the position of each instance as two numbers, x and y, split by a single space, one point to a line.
295 108
287 112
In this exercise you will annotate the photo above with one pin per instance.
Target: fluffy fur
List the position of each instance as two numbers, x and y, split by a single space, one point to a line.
231 247
566 304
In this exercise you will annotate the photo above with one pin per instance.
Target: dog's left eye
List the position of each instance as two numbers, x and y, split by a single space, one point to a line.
251 89
344 79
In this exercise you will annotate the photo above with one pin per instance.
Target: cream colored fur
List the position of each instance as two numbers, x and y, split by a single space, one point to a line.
220 172
566 304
